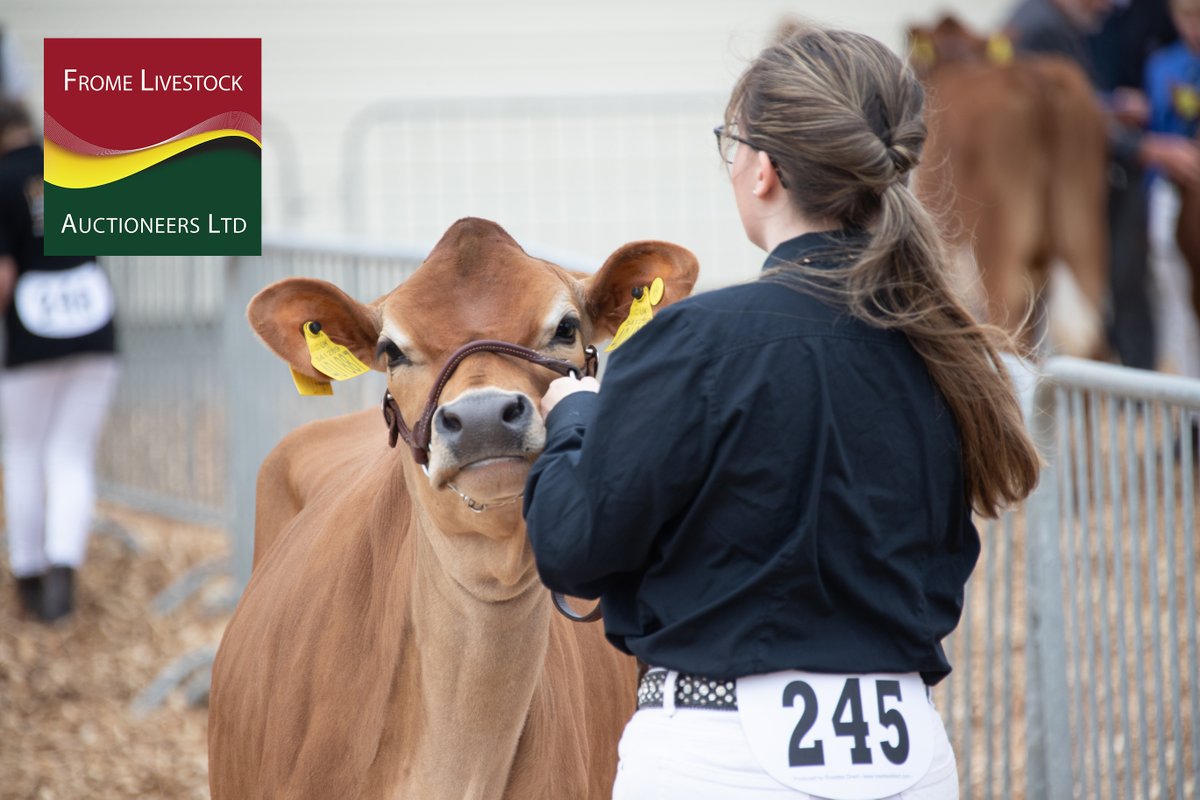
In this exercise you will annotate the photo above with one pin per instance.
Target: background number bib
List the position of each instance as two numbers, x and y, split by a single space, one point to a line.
843 737
64 304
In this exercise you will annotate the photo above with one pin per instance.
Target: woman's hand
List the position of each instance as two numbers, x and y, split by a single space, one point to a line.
562 387
1177 156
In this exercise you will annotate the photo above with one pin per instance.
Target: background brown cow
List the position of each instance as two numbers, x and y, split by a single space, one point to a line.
1014 166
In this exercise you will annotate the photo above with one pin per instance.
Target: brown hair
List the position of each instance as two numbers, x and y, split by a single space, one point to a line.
840 115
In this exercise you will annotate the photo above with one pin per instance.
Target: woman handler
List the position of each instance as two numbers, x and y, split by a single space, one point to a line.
772 495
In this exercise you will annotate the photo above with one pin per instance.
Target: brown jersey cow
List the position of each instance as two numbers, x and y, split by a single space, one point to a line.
394 641
1014 165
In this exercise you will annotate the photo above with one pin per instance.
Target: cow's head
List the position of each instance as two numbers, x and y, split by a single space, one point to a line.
949 41
477 283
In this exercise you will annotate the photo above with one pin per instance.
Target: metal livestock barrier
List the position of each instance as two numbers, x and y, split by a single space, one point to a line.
1114 604
1076 668
592 170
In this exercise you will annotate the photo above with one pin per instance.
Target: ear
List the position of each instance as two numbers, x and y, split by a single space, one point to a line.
277 313
765 178
610 290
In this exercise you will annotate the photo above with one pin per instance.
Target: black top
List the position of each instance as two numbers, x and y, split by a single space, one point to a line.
763 483
21 219
1130 35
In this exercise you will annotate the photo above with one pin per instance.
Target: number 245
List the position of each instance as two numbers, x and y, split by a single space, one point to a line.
856 727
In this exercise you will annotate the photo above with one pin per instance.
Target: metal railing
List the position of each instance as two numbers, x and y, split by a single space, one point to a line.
1118 658
1076 659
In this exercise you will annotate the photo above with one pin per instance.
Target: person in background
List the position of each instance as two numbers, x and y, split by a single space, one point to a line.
1130 33
1173 88
772 492
58 379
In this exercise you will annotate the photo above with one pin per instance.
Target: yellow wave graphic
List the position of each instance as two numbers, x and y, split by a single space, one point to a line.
74 171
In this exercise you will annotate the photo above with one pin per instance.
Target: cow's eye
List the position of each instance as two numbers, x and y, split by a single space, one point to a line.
565 334
395 356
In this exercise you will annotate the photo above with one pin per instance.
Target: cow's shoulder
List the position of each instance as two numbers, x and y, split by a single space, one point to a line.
330 450
327 455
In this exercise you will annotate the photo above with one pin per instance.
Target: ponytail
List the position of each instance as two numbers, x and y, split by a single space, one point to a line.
841 116
1000 463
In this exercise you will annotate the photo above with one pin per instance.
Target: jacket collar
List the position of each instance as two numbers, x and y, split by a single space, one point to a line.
818 249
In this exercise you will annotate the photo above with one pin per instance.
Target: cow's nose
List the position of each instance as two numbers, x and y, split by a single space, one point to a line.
483 420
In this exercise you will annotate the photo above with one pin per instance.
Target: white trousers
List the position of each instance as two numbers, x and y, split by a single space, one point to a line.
51 415
698 754
1177 329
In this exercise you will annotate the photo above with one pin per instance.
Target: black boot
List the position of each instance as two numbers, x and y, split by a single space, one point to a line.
58 593
29 593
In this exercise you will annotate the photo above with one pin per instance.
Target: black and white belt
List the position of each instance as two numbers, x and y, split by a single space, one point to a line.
691 691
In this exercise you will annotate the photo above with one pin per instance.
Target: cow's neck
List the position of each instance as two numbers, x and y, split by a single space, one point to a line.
478 657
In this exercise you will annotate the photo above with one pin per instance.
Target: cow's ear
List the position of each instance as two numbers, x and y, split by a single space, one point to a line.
278 312
610 290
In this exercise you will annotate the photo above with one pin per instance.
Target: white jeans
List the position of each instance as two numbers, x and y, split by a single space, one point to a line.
51 414
698 754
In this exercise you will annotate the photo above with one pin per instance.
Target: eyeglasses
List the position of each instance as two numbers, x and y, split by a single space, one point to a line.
727 147
727 143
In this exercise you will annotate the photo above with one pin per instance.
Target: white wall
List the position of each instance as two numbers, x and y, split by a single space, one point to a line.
326 60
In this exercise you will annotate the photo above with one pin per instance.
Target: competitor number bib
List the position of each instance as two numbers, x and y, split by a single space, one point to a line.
64 304
846 737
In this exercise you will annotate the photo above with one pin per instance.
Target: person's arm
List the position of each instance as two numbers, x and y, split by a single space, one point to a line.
620 465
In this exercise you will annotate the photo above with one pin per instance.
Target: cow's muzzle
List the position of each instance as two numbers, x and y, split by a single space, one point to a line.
417 438
484 424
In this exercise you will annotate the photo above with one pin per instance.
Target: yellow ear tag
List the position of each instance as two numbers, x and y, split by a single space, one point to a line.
329 357
640 312
1000 49
922 52
309 387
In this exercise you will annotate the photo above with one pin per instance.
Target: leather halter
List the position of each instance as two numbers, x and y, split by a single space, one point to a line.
418 437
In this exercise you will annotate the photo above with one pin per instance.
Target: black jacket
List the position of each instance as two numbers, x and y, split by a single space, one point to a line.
763 483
